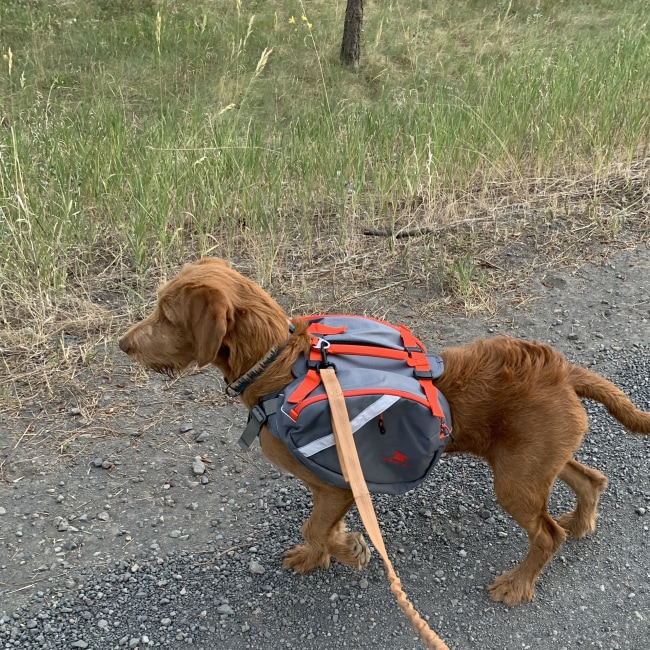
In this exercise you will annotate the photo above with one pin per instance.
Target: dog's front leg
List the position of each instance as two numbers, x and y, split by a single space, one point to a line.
325 534
324 531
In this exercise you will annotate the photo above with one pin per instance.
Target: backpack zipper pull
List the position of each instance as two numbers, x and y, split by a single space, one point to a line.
380 422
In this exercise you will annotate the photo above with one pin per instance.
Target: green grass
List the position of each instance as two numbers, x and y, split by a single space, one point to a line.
228 128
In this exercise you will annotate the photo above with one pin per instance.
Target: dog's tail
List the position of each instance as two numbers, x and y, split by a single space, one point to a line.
588 384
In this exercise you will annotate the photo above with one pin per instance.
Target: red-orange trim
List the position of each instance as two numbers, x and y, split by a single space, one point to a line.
367 351
359 392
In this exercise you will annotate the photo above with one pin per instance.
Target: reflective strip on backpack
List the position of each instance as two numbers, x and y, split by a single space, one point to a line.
370 412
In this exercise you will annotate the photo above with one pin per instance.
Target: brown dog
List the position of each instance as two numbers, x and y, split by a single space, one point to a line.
513 402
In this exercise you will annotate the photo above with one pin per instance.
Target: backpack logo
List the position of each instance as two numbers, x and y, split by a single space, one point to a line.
398 458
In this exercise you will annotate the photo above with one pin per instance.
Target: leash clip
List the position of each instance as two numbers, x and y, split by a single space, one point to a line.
322 345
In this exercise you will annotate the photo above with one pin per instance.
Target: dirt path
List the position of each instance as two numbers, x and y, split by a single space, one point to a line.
111 540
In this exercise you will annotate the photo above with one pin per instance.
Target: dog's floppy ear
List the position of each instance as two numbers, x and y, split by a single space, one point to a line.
207 322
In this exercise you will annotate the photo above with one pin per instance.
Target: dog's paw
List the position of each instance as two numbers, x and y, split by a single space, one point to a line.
575 526
353 552
511 590
305 558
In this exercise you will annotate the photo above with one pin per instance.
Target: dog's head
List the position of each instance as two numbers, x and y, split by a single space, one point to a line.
189 322
208 314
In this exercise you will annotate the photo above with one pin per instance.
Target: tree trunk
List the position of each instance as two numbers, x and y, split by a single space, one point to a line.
351 45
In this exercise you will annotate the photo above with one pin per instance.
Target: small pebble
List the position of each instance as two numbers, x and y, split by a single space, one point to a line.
256 567
198 466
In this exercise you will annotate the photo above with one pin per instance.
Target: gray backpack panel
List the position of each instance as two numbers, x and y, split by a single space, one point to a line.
398 438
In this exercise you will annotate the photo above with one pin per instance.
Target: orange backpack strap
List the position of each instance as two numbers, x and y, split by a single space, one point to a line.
317 359
312 378
325 330
417 359
367 351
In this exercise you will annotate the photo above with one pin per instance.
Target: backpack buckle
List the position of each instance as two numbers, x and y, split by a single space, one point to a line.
413 349
256 419
259 414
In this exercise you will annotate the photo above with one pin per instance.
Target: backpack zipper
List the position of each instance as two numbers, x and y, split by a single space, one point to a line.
360 392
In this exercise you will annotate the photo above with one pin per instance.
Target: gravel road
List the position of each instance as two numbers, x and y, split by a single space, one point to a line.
127 541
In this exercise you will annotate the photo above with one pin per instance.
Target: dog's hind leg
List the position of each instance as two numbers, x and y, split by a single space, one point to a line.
325 534
587 483
523 493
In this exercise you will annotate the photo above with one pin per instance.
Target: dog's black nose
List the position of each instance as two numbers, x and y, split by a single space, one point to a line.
124 346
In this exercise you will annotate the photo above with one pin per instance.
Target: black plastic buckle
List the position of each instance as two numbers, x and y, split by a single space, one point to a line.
417 349
258 414
256 419
423 374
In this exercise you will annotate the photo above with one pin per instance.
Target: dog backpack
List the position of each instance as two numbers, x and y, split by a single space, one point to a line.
400 421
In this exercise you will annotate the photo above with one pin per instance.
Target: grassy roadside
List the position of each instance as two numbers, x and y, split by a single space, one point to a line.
136 134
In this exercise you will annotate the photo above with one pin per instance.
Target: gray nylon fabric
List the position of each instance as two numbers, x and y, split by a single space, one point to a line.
397 436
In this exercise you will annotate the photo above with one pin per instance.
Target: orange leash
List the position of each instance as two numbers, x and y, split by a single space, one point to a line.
352 473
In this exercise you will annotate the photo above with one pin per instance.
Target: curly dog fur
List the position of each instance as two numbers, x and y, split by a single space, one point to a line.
514 403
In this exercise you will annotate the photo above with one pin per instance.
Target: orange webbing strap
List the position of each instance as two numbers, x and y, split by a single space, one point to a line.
353 474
